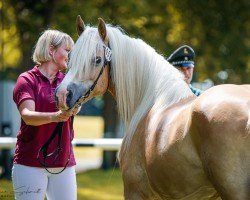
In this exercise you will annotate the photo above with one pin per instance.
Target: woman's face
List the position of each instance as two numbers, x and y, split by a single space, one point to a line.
61 56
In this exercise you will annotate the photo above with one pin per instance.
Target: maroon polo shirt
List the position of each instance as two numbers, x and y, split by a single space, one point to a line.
34 86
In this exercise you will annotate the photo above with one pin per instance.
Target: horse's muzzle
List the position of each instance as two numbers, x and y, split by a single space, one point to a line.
75 92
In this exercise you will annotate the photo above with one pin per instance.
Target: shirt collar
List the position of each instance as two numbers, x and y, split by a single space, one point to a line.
37 72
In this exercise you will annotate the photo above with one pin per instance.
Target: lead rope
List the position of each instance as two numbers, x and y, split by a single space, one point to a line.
44 149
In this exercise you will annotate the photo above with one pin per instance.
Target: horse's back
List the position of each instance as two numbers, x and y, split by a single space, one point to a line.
221 133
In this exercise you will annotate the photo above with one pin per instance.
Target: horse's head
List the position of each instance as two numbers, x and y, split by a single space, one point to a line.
88 74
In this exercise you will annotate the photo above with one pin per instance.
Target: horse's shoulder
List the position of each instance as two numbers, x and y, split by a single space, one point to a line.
174 121
178 112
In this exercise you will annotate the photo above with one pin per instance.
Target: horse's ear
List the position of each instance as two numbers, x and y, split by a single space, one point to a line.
79 25
102 29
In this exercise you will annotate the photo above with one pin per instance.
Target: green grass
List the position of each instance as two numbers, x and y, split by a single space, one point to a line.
100 185
6 190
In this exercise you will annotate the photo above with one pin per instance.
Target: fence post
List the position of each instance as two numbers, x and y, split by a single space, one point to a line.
9 124
6 156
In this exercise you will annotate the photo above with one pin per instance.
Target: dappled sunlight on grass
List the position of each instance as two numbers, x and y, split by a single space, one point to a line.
6 189
100 185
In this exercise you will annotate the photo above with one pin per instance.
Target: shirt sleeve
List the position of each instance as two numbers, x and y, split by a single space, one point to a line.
196 91
23 90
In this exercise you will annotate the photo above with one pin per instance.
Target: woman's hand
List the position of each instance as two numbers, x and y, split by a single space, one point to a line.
62 116
34 118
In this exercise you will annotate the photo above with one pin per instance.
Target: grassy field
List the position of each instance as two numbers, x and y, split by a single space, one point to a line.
100 185
92 184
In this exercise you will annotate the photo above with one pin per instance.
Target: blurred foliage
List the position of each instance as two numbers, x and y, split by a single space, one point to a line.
217 30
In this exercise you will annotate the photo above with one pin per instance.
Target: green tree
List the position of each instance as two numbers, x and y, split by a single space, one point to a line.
31 18
219 32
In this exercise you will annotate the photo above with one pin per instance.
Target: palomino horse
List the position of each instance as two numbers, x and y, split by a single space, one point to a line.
176 146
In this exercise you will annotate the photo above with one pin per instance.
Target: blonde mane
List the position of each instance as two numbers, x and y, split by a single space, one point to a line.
141 76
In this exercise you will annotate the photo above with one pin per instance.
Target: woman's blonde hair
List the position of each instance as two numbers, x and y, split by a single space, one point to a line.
48 39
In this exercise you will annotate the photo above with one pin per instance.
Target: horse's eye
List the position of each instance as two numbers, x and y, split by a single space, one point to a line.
97 60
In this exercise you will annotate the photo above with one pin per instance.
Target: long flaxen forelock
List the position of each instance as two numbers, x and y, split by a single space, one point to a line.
82 55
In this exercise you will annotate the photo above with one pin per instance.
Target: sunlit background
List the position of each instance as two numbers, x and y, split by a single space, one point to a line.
218 31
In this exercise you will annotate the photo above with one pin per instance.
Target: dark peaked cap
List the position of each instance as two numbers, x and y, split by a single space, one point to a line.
183 56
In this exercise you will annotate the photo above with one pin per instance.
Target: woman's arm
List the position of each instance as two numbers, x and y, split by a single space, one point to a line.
33 118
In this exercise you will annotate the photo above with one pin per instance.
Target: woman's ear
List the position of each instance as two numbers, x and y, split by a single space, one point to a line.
51 48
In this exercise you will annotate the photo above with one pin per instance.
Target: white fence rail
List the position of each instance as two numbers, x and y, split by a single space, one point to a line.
103 143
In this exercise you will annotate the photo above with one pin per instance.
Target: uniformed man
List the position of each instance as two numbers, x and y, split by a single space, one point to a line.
183 59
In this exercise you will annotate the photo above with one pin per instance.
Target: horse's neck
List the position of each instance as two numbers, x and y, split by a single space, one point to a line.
158 102
145 79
